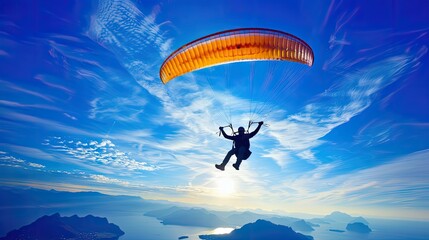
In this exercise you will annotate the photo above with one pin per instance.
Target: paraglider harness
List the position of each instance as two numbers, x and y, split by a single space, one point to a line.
234 133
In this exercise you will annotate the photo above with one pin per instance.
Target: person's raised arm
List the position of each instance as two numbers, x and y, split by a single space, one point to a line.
256 130
225 135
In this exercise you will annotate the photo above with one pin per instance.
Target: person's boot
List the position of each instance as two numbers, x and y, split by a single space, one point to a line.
220 167
236 166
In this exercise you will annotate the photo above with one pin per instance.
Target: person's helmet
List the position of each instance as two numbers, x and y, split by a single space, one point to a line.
241 130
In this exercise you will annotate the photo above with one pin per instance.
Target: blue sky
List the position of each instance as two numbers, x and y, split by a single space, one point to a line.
82 106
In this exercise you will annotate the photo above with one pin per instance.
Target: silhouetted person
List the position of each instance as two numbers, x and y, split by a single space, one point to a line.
240 147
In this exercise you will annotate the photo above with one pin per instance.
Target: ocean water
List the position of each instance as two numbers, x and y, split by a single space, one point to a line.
396 230
140 227
381 230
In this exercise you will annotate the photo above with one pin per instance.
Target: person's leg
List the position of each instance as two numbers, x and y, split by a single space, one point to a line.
240 156
228 156
226 159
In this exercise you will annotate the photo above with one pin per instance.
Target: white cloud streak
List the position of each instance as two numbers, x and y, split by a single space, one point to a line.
103 179
401 182
46 123
8 160
102 153
48 82
23 105
19 89
29 151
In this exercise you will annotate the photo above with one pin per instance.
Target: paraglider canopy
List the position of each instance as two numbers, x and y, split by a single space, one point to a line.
244 44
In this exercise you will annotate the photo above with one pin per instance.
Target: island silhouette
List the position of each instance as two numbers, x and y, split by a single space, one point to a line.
55 227
358 227
259 230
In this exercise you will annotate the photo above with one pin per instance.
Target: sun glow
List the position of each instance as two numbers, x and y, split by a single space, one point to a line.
225 187
222 231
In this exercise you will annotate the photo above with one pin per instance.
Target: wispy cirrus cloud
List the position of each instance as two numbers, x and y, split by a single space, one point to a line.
403 181
29 106
129 33
125 109
280 156
50 81
28 151
18 89
47 123
3 53
376 132
117 96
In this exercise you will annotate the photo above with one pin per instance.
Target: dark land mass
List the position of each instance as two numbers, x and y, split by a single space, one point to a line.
77 228
358 227
260 230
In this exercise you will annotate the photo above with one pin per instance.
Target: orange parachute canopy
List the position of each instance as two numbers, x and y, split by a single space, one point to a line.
244 44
